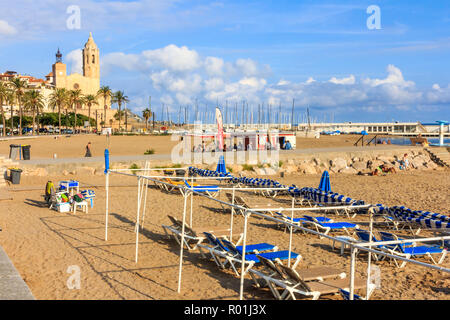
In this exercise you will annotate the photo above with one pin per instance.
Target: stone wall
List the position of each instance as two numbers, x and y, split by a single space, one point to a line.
363 161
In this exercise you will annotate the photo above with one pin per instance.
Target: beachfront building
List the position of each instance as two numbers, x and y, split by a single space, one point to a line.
391 128
88 82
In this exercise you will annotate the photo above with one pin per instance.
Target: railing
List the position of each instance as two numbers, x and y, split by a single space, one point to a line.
368 143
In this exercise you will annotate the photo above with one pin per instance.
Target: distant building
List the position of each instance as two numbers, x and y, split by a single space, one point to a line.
88 82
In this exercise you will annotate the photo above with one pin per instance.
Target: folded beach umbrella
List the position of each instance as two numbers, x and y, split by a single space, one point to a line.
325 182
221 165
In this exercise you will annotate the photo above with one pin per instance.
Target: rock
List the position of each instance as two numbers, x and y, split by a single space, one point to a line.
291 169
39 172
348 171
359 166
417 163
338 164
375 164
386 159
87 171
260 171
270 171
431 165
65 173
236 168
307 168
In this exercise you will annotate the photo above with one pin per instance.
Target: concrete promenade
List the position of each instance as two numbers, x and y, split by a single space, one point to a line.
12 286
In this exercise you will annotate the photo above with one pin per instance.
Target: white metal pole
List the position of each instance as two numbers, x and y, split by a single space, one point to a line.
241 293
352 272
290 231
107 206
192 200
232 216
137 219
186 194
369 259
147 166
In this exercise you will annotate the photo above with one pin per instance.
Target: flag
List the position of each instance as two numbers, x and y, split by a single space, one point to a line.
219 128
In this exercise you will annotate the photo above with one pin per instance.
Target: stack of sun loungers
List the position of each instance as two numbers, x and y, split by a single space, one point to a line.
287 282
425 219
193 237
224 253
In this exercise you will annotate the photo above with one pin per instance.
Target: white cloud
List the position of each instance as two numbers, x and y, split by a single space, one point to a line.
7 29
172 57
348 80
395 77
75 60
180 75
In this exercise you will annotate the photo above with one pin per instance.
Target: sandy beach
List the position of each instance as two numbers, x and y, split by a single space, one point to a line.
43 243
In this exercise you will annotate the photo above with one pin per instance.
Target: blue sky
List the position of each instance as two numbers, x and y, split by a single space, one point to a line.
320 53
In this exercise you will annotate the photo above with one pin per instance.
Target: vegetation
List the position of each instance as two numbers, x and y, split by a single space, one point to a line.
247 167
134 166
119 97
149 151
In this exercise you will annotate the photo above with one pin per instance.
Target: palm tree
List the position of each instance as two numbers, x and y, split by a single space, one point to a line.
10 100
4 91
75 100
34 101
147 114
89 100
19 86
119 97
104 92
58 99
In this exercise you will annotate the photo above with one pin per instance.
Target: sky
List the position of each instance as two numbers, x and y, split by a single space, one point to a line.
343 60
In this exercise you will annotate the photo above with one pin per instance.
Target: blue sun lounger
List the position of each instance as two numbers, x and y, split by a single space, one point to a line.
299 221
329 226
218 250
407 251
252 259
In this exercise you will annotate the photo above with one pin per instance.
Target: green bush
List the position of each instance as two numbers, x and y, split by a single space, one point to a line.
247 167
134 166
149 151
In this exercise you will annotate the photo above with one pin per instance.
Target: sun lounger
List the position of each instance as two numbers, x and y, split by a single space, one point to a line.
211 191
194 236
407 251
326 227
300 221
276 275
252 259
364 236
217 250
315 289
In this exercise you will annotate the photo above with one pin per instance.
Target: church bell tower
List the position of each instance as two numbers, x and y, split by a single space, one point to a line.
91 59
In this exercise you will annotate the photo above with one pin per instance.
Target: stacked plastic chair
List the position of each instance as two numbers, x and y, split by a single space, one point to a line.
424 218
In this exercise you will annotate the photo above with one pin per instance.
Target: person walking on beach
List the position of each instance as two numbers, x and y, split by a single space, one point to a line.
88 150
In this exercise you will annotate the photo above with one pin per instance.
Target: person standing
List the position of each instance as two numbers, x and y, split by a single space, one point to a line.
88 150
